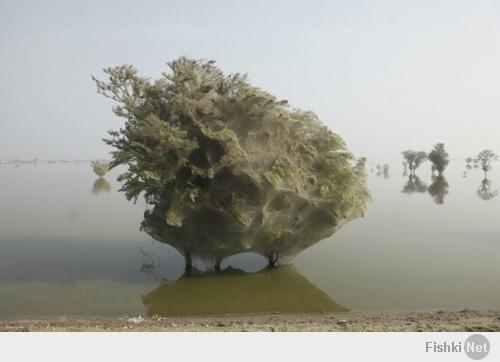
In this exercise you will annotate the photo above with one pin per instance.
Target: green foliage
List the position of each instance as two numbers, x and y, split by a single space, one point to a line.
485 158
414 159
361 164
439 158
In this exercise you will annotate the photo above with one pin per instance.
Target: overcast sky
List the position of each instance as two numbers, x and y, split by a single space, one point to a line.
385 75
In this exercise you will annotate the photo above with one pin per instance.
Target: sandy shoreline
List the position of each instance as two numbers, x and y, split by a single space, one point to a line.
465 321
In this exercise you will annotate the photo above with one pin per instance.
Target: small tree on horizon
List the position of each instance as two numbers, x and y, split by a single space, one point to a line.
386 171
468 163
414 159
361 163
439 158
484 159
100 167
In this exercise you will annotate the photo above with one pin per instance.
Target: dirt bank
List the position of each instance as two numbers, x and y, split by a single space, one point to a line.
465 320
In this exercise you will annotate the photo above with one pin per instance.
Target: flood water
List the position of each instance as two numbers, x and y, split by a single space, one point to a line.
70 244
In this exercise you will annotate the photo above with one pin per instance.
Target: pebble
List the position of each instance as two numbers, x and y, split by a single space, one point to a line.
136 320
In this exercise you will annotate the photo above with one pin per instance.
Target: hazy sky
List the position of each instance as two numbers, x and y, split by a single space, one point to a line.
385 75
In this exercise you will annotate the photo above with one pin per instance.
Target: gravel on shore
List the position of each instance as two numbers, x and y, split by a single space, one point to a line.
436 321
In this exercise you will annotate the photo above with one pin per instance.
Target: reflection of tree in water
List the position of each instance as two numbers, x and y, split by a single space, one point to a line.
405 169
101 185
438 189
484 191
232 291
386 171
149 266
383 170
361 163
414 185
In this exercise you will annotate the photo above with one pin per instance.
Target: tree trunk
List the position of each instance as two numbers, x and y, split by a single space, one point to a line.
272 259
189 261
217 263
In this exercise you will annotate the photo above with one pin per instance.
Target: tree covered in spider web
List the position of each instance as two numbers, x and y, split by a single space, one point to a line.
227 166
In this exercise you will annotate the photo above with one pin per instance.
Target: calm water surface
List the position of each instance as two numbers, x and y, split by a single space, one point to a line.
70 245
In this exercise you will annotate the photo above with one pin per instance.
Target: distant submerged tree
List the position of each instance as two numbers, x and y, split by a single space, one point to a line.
414 159
386 171
361 163
438 189
475 164
484 159
101 167
439 158
405 169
